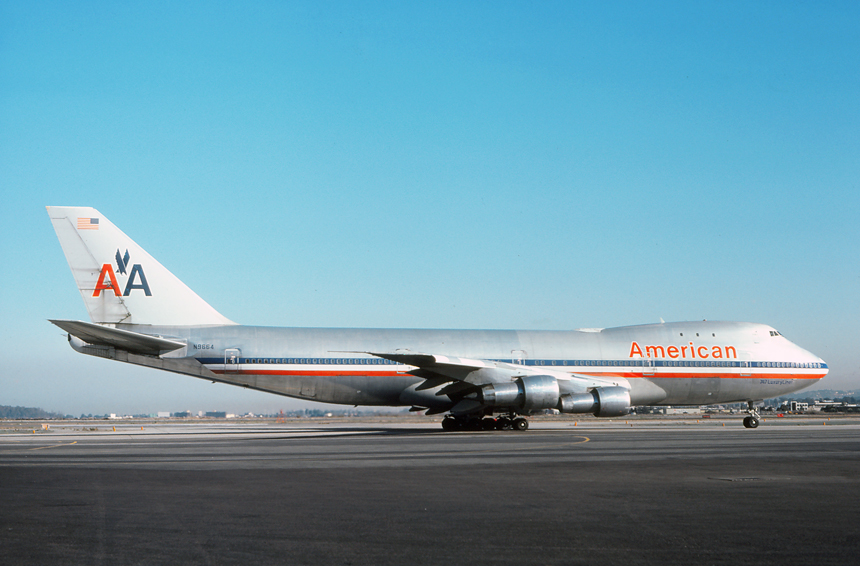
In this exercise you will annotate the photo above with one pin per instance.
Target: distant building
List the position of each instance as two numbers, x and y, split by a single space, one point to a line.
794 407
216 414
682 411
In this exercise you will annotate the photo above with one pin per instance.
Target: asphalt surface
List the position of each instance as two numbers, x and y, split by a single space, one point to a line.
674 492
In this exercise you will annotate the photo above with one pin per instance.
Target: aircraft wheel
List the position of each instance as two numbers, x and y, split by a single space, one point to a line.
450 424
503 423
521 424
753 422
488 423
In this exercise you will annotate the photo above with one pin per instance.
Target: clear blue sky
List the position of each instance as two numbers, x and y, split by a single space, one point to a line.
465 165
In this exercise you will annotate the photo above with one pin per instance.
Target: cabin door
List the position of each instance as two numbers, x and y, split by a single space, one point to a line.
518 356
647 366
231 360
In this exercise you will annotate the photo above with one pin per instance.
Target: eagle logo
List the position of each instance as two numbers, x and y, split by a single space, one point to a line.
121 262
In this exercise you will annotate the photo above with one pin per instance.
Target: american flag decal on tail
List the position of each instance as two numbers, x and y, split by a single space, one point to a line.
88 223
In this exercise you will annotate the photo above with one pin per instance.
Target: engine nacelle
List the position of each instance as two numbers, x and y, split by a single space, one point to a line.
602 402
527 394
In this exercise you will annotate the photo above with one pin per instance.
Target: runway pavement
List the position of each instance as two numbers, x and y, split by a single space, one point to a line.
625 491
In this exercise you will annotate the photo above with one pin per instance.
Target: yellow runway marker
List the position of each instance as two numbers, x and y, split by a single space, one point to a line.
53 446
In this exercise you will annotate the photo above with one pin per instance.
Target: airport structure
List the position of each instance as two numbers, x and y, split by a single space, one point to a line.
142 314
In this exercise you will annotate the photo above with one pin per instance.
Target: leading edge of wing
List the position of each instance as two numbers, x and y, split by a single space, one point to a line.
437 370
99 335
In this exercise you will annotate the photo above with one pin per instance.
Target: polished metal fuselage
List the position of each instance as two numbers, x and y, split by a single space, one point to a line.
688 363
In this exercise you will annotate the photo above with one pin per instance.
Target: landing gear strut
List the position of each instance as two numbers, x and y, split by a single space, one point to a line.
753 419
511 422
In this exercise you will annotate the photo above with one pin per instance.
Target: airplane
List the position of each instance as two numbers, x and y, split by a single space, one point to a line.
142 314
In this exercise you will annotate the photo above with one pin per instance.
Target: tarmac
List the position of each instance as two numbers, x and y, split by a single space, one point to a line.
401 491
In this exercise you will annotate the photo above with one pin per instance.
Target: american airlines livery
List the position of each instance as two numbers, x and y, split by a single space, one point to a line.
142 314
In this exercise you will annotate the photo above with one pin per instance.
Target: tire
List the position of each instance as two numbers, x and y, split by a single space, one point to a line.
521 424
488 423
450 424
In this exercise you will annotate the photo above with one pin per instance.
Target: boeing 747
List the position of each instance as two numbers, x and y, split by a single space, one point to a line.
140 313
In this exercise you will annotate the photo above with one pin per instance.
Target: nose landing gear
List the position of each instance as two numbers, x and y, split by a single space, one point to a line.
754 418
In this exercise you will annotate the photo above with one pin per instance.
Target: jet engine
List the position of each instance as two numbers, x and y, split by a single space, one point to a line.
527 394
602 402
532 393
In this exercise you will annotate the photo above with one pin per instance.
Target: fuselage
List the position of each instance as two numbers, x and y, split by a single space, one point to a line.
688 363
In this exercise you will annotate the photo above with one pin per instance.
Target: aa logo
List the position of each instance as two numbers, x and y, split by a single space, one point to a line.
107 279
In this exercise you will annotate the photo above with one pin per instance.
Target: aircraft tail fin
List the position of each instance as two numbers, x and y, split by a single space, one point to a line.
118 280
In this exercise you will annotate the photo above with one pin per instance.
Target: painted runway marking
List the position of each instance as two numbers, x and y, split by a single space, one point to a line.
53 446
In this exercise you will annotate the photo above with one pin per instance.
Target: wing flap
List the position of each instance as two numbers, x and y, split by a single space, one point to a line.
430 380
135 342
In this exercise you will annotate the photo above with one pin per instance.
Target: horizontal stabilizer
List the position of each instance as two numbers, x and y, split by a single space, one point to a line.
98 335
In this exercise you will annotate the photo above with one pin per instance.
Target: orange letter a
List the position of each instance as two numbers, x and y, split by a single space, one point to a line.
100 284
635 350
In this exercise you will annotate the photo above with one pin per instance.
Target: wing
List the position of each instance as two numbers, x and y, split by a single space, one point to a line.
135 342
471 382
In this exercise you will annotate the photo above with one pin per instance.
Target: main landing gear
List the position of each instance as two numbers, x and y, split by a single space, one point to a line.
451 423
753 419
